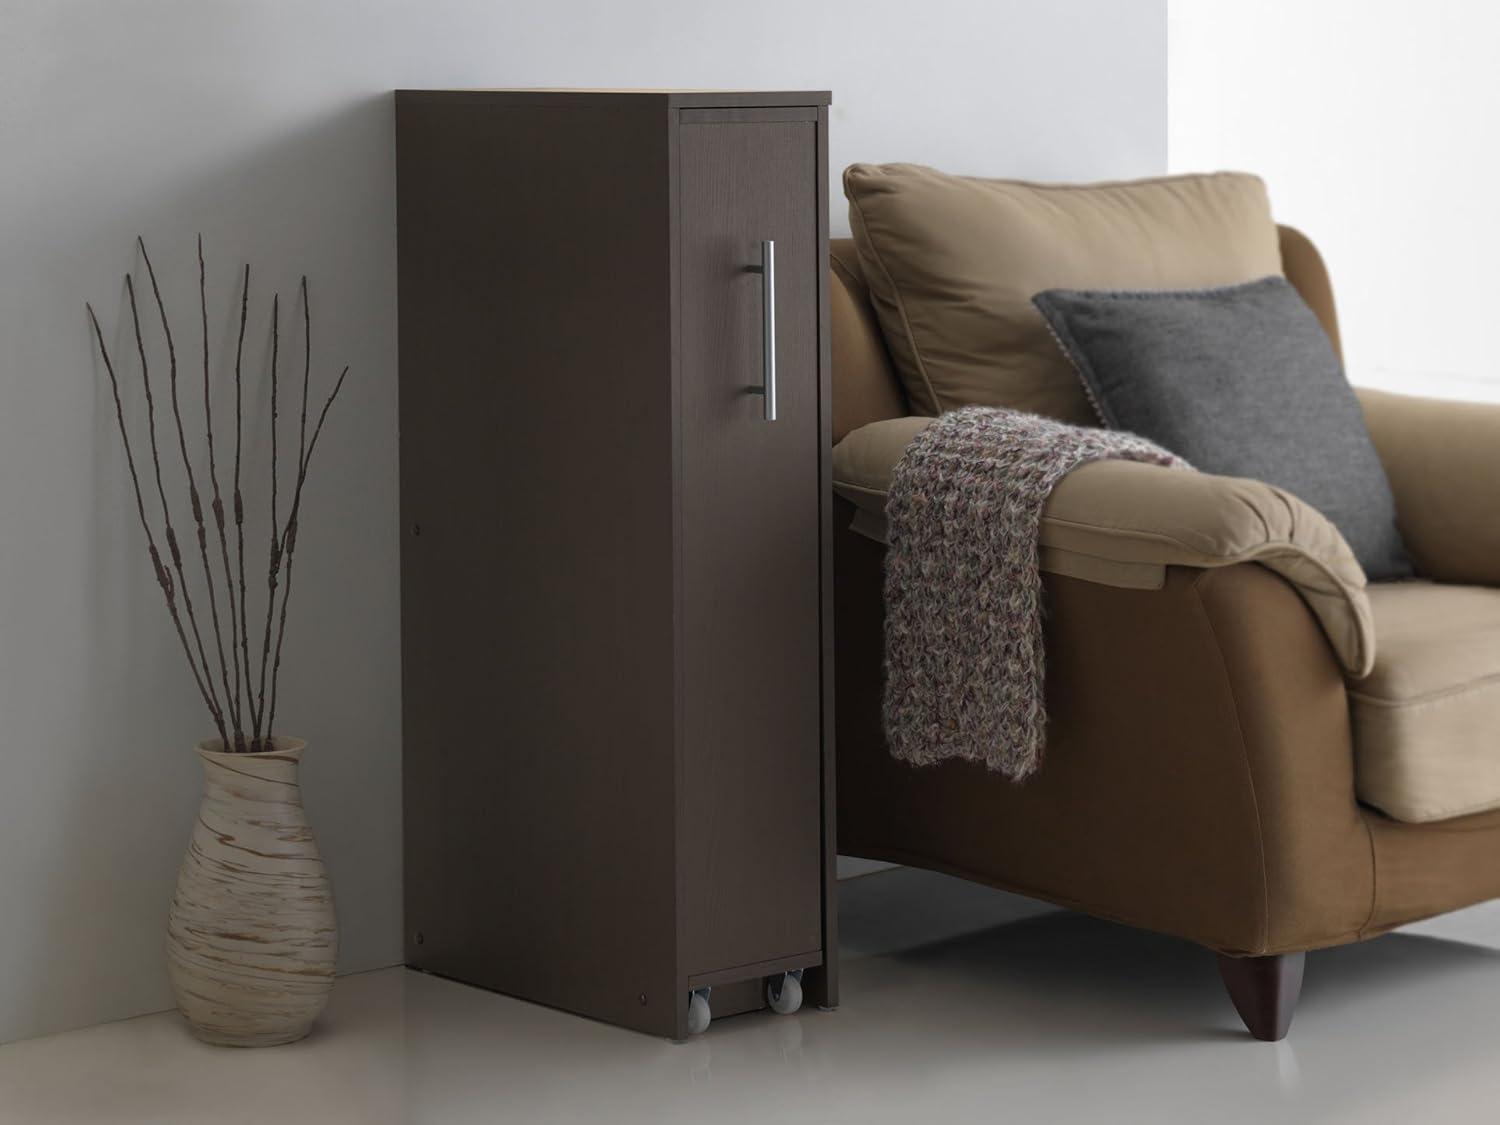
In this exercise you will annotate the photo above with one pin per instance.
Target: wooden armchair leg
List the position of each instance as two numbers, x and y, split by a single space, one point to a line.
1264 991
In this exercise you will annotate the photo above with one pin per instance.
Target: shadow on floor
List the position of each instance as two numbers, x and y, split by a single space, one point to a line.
950 933
973 977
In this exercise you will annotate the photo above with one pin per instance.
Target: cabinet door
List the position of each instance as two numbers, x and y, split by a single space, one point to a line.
749 642
750 832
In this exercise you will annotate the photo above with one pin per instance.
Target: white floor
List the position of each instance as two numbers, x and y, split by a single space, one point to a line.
954 1010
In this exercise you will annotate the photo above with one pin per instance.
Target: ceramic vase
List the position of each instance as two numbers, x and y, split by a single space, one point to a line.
251 934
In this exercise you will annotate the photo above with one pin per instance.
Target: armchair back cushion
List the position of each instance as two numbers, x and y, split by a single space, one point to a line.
867 389
952 263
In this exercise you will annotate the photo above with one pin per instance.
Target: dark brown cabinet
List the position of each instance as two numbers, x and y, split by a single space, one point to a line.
615 503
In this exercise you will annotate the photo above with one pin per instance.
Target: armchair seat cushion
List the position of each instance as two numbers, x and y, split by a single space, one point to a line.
1427 718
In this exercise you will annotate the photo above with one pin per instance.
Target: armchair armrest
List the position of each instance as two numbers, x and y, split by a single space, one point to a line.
1443 461
1122 523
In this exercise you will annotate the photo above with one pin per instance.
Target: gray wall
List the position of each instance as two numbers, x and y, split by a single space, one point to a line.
267 126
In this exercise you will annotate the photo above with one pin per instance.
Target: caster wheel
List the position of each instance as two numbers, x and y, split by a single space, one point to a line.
699 1013
784 992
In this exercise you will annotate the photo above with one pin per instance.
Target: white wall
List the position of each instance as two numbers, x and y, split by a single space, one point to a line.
267 126
1372 122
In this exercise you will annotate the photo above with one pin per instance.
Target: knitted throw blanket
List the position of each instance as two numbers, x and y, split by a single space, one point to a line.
963 627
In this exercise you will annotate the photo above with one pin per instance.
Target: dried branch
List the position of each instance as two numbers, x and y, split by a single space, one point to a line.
246 696
232 698
290 534
290 538
306 376
163 579
239 501
171 533
193 495
274 571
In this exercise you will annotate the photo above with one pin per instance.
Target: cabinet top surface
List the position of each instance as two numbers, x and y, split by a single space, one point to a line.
682 99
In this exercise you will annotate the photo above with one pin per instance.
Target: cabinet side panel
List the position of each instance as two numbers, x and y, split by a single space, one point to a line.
822 984
536 493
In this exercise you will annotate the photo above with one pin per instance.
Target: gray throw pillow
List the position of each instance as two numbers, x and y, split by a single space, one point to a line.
1240 381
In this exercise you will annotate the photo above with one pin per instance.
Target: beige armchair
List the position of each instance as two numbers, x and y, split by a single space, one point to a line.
1248 747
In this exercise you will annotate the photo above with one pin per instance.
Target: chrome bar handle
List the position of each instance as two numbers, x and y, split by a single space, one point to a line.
767 271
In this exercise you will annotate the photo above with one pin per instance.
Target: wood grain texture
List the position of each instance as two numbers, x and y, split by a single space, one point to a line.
614 765
251 933
821 985
751 847
536 568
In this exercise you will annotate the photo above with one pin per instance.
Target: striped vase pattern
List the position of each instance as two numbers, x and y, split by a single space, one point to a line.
251 934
